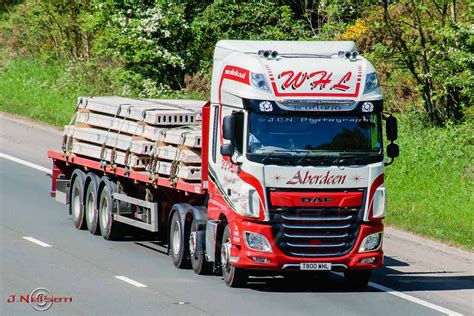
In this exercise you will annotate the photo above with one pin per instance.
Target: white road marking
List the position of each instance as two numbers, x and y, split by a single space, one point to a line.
130 281
38 242
414 299
26 163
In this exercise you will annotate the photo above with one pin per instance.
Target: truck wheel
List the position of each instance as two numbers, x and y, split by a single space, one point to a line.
109 229
90 204
179 243
233 276
76 207
357 279
197 240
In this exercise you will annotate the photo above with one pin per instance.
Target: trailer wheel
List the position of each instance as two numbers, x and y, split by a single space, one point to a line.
90 204
76 207
179 243
357 279
109 229
233 276
197 239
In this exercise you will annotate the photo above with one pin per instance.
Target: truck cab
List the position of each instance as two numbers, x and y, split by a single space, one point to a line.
296 159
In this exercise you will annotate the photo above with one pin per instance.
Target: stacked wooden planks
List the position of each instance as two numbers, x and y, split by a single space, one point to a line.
162 137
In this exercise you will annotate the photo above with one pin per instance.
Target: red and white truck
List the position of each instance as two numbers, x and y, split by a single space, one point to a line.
292 174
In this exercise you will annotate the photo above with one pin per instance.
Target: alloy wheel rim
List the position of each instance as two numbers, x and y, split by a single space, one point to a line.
104 214
76 209
225 253
176 239
90 206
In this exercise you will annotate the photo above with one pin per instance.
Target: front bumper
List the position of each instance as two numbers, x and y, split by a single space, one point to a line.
243 257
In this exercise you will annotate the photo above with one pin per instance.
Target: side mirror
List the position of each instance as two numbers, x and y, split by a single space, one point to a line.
228 128
227 150
391 128
393 151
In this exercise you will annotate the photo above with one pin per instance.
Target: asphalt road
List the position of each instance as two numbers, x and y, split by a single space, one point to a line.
421 277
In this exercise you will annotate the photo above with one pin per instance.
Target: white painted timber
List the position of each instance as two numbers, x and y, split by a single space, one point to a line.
189 173
94 151
140 110
181 154
192 105
191 134
111 139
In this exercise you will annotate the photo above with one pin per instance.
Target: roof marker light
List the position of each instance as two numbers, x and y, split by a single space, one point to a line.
259 81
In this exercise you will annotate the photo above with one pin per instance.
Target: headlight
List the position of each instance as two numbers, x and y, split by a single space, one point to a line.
259 81
379 203
371 242
257 241
371 82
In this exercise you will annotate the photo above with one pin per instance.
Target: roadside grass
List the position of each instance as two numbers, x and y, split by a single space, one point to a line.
430 186
30 88
47 90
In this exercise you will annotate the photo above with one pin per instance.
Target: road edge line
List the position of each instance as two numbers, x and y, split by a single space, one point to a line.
414 299
25 163
129 281
37 242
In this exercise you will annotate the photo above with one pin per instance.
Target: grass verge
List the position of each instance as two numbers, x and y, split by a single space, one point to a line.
430 186
30 88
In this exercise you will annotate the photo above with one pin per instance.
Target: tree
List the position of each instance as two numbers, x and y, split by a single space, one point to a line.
434 41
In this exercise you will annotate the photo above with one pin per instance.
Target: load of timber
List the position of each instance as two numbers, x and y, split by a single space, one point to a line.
162 137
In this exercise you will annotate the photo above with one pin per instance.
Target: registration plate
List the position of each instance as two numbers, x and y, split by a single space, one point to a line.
315 266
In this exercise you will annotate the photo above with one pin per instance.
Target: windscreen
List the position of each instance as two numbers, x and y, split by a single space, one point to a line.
319 135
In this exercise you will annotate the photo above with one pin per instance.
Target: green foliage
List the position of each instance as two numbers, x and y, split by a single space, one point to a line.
239 20
431 183
148 38
433 41
29 87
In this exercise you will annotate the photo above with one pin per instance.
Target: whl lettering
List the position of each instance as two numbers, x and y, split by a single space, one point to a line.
317 80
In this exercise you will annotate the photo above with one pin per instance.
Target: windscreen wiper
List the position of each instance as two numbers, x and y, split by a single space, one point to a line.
270 156
320 158
354 157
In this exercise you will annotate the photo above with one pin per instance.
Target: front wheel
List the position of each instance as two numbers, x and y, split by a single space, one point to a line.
358 279
233 276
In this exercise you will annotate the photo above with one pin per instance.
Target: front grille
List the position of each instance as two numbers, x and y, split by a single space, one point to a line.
315 232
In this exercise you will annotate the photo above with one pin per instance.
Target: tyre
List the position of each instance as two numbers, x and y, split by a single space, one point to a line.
233 276
76 193
179 243
357 279
90 204
197 240
109 228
